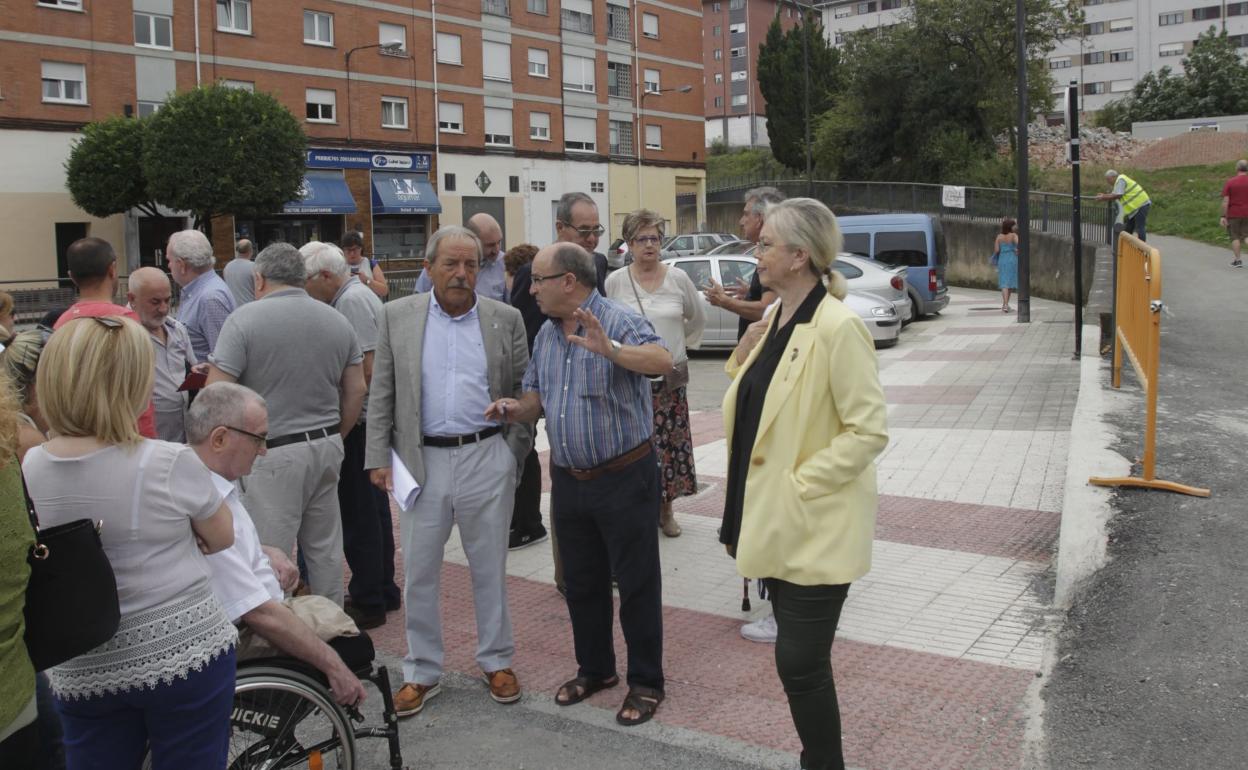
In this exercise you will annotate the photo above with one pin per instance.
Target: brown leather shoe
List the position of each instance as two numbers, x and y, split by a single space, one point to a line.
411 698
667 521
504 687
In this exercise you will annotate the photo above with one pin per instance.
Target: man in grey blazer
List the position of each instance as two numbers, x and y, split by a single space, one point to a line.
441 359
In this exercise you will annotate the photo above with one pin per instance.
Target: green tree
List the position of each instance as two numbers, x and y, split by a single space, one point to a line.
781 64
216 150
1214 82
104 170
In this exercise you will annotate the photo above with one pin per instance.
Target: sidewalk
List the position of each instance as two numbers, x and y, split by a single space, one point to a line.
937 645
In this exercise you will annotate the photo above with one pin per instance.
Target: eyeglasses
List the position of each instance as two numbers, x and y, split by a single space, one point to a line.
537 279
586 232
647 240
261 438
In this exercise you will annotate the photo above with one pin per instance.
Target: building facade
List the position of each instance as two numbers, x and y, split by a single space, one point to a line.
416 114
732 31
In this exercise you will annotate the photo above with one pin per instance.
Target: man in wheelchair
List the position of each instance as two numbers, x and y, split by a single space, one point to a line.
226 426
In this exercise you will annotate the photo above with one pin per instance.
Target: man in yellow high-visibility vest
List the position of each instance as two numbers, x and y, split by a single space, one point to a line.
1133 202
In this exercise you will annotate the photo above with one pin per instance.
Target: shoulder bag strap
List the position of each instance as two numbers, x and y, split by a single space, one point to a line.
633 283
30 505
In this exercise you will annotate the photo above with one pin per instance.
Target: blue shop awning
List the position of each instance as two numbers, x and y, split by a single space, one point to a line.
400 193
323 192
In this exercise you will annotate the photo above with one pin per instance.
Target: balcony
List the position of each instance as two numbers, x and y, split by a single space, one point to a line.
496 8
619 80
575 21
619 25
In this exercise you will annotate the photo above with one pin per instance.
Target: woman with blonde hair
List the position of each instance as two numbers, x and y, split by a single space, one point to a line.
804 420
166 679
668 299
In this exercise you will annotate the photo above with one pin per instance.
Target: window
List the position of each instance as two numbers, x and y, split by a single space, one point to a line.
320 105
577 16
866 7
1094 57
1095 28
719 54
619 24
619 79
738 53
513 184
654 137
717 7
393 112
597 187
392 33
1059 63
620 137
733 270
888 5
450 118
739 76
449 49
1206 13
652 81
1237 9
578 73
698 270
496 7
539 126
715 32
736 29
1118 86
448 182
153 31
843 11
719 77
497 127
1126 54
539 62
1122 25
1169 19
234 16
64 83
650 25
580 134
496 61
907 248
719 101
1170 49
736 5
537 185
318 28
149 108
538 6
241 85
838 38
1094 88
740 99
69 5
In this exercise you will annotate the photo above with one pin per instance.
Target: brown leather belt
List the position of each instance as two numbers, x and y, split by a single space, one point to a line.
614 464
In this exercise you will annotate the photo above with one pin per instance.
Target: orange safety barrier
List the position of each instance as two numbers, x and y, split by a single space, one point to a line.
1137 328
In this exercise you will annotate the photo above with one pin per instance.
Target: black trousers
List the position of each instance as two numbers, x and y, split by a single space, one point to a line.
367 531
526 515
606 527
806 618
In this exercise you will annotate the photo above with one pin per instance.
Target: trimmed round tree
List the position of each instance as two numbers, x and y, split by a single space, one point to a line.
104 172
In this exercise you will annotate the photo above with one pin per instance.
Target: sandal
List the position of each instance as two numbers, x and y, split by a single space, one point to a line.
644 700
582 687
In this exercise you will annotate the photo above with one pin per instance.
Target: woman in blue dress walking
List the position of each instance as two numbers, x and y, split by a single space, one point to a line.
1005 255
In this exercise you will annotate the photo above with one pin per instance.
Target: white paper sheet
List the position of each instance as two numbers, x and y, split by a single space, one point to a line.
406 490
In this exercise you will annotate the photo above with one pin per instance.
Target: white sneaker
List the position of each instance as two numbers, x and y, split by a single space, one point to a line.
762 630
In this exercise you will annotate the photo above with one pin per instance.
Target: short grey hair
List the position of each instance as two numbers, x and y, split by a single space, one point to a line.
453 232
639 220
1110 173
563 212
571 258
193 248
318 256
1241 165
221 403
759 198
244 247
282 263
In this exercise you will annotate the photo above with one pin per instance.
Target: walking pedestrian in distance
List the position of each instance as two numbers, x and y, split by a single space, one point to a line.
1235 209
1005 257
805 419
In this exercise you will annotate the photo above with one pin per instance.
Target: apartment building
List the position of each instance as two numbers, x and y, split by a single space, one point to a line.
417 114
1121 40
732 31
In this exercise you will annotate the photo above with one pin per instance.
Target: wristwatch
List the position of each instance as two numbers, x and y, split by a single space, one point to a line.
616 347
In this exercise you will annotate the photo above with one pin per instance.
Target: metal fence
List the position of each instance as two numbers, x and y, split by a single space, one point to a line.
1050 212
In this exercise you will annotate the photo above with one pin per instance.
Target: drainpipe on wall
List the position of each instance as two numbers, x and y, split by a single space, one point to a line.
437 134
197 81
639 90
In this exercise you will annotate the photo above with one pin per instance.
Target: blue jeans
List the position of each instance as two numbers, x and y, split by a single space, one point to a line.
186 723
1136 223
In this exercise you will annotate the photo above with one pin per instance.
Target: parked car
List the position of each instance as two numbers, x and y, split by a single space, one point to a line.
721 325
913 241
617 254
884 281
734 248
693 243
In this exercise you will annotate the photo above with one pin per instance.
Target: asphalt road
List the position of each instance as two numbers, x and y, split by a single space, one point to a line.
1151 667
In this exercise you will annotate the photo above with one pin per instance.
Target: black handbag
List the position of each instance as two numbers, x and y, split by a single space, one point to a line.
71 599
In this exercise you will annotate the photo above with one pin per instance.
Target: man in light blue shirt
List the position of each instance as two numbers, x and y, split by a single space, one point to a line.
206 300
491 278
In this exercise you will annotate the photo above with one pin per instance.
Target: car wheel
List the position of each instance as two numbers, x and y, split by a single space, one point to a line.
914 309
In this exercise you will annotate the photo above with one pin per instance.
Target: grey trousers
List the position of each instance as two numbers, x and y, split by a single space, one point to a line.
292 495
473 487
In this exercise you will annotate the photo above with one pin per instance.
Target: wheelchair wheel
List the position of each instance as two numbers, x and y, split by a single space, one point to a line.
285 719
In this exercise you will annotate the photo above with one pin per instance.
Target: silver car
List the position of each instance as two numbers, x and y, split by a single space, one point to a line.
884 281
693 243
721 325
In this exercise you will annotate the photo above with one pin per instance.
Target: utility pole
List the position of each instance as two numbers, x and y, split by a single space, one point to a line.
1076 212
1024 192
810 176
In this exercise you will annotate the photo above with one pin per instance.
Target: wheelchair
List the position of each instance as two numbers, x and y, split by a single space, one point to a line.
285 717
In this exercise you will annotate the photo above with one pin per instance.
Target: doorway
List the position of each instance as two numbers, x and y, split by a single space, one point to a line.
66 234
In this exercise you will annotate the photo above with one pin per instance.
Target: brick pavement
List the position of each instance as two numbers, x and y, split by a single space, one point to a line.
939 642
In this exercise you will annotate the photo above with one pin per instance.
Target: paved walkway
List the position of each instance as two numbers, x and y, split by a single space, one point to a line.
937 644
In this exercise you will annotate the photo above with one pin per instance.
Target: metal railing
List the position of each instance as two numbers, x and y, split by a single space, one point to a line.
619 26
1050 212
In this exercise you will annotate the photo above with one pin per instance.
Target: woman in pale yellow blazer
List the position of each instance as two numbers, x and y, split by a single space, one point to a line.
805 419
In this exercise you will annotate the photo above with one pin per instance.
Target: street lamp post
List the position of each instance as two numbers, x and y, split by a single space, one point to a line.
1024 192
390 48
641 127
